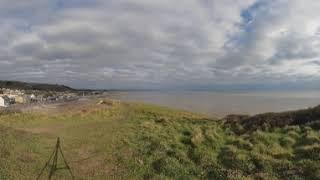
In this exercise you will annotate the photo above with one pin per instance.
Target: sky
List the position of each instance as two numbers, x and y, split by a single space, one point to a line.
144 44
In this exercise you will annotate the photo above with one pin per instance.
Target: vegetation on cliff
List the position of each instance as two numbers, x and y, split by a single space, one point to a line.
138 141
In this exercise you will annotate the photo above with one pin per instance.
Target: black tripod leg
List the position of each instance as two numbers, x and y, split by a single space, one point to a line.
54 164
47 163
64 159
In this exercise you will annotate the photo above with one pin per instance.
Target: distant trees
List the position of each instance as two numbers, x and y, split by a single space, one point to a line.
34 86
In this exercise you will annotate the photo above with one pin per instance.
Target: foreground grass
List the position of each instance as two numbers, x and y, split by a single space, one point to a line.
136 141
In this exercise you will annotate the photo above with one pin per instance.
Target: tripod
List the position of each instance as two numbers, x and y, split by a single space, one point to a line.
52 163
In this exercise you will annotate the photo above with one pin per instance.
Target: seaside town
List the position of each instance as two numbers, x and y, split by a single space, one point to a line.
10 97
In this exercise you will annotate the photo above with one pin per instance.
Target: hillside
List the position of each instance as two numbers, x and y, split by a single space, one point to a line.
273 120
33 86
114 140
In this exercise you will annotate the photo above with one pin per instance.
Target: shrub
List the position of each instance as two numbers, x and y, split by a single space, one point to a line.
238 128
310 138
242 144
293 134
283 155
171 167
202 156
197 137
306 129
262 137
264 176
310 169
308 152
287 141
235 159
315 125
292 128
152 145
213 136
215 172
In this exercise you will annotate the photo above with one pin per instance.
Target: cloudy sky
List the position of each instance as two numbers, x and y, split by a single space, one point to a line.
161 43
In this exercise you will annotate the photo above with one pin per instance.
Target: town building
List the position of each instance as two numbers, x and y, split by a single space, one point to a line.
4 101
21 99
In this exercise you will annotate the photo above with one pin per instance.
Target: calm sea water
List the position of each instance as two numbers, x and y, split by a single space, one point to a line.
220 104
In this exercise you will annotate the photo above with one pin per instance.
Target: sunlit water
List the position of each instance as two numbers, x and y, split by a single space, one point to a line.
220 104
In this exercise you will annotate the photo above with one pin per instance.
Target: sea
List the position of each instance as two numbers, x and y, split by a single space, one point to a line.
220 104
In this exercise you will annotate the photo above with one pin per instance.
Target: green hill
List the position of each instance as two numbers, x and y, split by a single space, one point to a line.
33 86
138 141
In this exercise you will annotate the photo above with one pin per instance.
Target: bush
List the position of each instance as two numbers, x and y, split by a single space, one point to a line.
287 141
171 167
310 169
310 139
242 144
315 125
263 163
308 152
306 129
259 137
294 134
292 128
283 155
215 172
235 159
197 137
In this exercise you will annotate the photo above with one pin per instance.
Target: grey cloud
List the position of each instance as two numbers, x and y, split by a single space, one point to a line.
278 42
127 43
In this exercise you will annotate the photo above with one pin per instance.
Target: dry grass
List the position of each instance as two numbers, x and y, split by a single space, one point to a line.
137 141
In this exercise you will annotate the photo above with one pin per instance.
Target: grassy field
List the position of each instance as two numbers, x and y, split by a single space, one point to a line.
138 141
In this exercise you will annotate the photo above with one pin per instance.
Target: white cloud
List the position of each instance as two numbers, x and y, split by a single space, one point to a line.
127 43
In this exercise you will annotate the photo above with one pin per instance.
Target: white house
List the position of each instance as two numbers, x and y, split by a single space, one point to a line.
4 101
